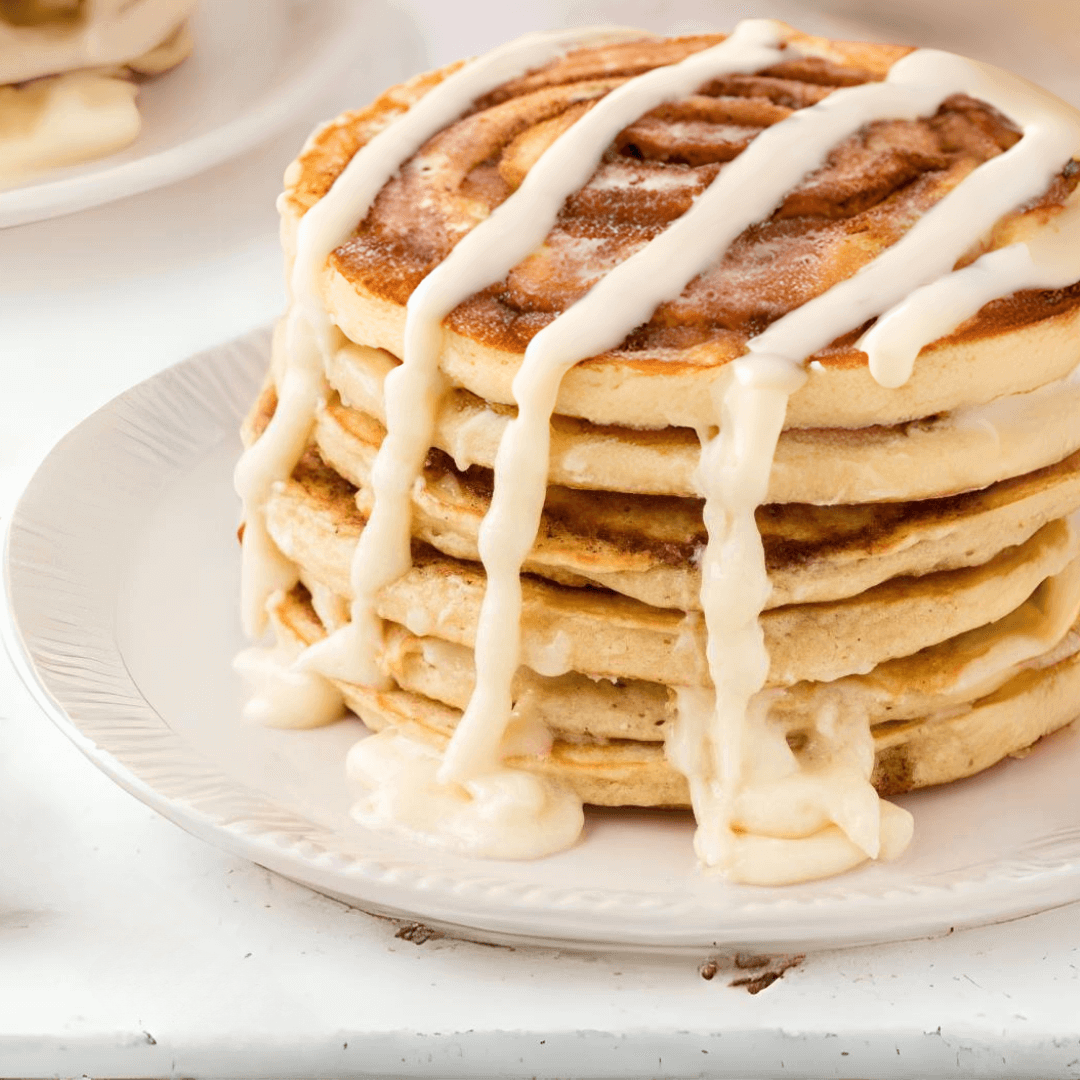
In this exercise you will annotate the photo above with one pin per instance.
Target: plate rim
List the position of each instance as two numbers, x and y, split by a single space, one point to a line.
255 828
272 111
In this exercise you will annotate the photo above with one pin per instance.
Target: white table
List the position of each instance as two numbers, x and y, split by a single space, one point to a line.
127 948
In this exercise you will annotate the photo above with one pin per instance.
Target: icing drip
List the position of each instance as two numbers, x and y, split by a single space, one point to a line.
264 570
495 815
1049 261
732 482
279 695
283 697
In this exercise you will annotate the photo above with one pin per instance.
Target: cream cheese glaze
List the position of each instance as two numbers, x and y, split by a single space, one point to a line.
1050 260
762 816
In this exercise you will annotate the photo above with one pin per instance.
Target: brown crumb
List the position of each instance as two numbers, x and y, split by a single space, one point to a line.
778 966
758 983
417 933
746 961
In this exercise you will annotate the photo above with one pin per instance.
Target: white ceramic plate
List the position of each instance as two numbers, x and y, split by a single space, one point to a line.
121 574
256 66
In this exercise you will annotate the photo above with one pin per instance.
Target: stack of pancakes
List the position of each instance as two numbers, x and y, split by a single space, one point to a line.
918 542
69 71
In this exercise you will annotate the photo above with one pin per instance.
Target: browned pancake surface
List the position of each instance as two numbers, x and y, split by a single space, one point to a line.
872 188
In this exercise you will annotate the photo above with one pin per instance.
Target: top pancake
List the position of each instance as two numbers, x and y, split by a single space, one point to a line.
873 187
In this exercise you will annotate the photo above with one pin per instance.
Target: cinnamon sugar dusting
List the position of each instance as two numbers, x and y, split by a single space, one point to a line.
871 190
334 145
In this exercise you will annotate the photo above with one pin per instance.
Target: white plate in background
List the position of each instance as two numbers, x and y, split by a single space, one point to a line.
255 67
121 576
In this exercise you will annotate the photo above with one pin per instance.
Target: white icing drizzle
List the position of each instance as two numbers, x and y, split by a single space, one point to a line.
762 815
264 570
281 696
494 816
1051 260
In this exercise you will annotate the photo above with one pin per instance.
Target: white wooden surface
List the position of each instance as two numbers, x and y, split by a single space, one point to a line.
129 949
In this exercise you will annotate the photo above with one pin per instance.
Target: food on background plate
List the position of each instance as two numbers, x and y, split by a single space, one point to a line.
675 422
69 72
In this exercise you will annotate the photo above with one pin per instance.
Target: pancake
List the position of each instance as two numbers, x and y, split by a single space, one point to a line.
314 522
937 680
917 753
675 422
937 456
674 389
646 547
660 380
